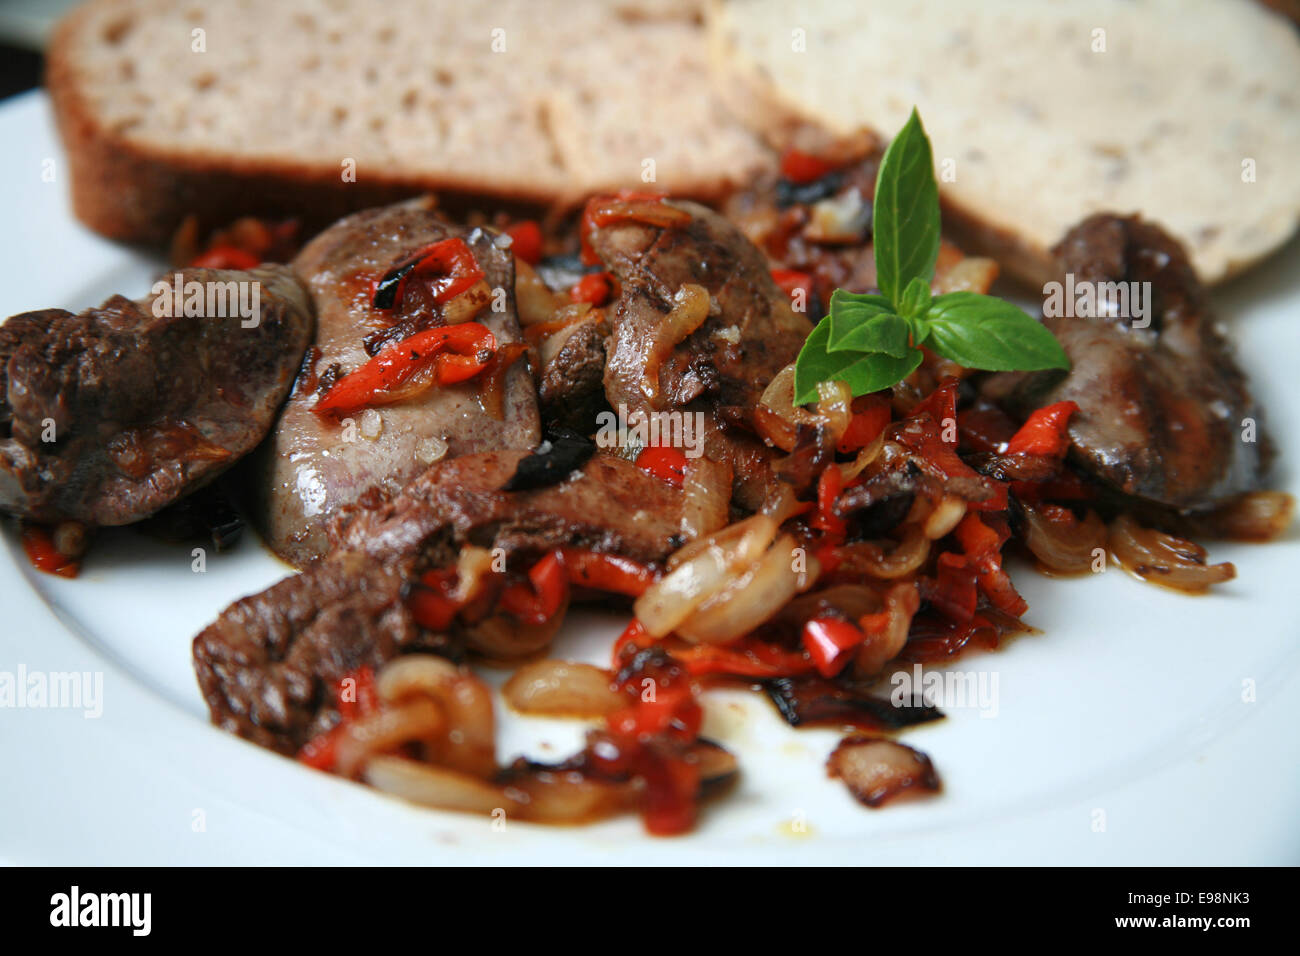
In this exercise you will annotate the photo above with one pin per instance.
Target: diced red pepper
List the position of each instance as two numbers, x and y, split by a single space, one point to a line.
923 436
871 414
800 167
459 352
595 287
526 241
664 462
791 281
1045 432
748 657
831 643
449 262
38 545
544 595
983 547
941 405
603 210
364 698
633 639
829 487
953 591
226 257
671 787
432 604
607 572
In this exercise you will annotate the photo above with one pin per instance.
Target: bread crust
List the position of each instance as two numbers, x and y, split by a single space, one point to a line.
125 189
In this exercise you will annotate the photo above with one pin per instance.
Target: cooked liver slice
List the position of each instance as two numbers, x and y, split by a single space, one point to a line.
307 471
144 408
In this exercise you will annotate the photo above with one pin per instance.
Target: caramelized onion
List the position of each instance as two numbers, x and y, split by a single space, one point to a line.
702 569
433 786
387 729
534 300
464 700
750 600
689 312
563 689
707 497
1163 558
947 514
885 643
1257 516
868 557
875 769
468 304
1066 546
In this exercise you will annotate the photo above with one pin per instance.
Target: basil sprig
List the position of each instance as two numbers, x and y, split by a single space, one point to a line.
873 341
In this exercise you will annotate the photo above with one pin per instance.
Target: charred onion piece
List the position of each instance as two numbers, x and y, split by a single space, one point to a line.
814 701
875 770
1165 559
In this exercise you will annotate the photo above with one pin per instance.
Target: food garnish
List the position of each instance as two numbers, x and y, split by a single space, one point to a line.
873 341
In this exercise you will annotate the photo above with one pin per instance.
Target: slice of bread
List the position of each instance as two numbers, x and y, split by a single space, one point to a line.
1187 111
173 107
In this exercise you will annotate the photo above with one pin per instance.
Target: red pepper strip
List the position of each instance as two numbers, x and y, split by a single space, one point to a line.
1067 486
831 643
526 241
748 657
226 257
829 487
451 263
634 636
983 548
952 591
671 786
791 280
321 751
595 288
941 404
364 698
607 572
800 167
431 603
664 462
38 544
593 217
672 708
867 423
1044 432
385 373
545 594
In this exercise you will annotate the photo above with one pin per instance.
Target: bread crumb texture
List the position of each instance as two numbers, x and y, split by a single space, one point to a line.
1183 110
518 97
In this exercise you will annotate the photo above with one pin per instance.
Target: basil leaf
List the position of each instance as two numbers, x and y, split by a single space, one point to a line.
906 212
886 333
984 332
849 310
863 371
916 299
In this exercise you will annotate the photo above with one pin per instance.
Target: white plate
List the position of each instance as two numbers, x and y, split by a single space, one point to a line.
1121 733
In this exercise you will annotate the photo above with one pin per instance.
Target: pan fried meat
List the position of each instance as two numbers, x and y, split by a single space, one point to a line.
1161 409
748 331
108 416
266 665
315 465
